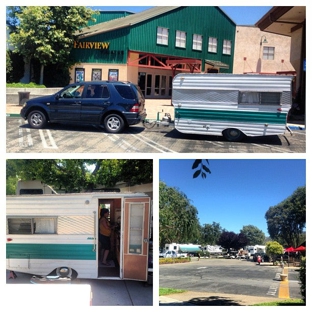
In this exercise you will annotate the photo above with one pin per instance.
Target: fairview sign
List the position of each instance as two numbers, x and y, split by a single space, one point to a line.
91 45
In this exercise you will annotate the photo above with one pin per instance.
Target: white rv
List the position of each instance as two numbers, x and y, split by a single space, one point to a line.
216 249
183 248
33 187
231 105
57 235
255 249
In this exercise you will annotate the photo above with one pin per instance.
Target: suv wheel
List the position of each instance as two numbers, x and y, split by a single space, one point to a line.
113 123
37 119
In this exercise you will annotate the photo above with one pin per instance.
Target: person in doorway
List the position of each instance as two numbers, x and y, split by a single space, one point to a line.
105 233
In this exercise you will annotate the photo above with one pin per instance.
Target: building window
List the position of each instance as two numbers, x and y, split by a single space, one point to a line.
180 39
197 42
268 53
227 47
212 44
162 35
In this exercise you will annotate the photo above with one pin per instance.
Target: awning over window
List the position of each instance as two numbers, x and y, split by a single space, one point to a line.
217 64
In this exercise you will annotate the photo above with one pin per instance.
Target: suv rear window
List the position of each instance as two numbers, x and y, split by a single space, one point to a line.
125 91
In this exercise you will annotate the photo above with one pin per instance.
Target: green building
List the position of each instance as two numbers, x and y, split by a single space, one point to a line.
150 47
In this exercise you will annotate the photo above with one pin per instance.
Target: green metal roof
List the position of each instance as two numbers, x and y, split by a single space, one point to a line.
124 21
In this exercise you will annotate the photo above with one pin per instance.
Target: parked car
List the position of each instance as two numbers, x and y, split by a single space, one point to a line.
168 254
112 104
265 257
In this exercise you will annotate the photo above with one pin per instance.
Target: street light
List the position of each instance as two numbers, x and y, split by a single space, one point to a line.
264 40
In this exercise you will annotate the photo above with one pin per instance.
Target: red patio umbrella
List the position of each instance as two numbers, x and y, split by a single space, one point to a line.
289 249
300 248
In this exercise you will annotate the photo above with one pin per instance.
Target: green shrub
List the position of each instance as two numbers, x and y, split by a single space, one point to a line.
24 85
302 278
173 260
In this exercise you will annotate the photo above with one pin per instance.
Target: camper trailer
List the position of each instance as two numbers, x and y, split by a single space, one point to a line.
57 235
255 249
33 187
189 249
212 249
231 105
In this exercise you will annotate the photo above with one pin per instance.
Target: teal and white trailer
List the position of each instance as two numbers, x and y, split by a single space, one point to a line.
231 105
57 235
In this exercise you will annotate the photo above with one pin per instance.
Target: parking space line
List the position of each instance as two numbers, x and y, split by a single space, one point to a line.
44 142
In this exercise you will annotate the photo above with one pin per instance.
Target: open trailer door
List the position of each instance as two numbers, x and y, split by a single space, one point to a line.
136 238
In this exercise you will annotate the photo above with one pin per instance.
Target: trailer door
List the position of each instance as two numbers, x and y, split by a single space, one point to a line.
136 238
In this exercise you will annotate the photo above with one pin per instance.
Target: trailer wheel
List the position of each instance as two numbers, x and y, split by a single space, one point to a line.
233 135
64 272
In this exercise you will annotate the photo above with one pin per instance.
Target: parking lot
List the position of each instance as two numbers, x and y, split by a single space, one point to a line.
57 138
229 277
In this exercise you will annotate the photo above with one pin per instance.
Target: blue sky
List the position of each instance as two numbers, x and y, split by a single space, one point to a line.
241 15
238 192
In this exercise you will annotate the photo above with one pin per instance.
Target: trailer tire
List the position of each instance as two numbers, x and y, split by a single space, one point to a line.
64 272
233 135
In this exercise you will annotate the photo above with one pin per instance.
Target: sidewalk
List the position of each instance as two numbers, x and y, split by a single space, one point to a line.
191 298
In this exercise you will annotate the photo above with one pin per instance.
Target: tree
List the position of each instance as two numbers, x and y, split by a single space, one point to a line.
46 33
178 220
75 175
230 240
274 249
254 235
287 220
203 169
210 233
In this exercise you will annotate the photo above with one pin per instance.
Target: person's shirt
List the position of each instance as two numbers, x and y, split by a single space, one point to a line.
105 227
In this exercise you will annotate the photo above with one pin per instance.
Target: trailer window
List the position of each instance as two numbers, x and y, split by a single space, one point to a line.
19 226
136 228
32 225
260 98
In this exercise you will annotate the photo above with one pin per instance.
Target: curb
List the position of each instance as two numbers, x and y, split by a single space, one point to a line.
12 115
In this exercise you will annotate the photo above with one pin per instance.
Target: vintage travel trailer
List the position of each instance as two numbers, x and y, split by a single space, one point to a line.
231 105
57 235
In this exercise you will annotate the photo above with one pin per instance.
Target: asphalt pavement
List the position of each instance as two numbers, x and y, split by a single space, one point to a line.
104 292
200 298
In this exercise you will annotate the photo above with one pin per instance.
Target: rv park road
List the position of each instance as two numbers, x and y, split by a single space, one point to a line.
59 138
226 278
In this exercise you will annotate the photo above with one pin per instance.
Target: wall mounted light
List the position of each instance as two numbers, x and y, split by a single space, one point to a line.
264 40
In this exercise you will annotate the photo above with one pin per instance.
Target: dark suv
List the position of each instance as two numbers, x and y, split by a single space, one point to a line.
113 104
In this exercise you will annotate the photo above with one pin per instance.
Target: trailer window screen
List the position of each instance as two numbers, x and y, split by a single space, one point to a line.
32 225
262 98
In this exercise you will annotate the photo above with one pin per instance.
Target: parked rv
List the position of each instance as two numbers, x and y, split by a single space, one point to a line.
33 187
57 235
187 249
231 105
252 250
212 249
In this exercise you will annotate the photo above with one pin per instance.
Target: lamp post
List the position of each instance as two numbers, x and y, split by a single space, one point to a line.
262 40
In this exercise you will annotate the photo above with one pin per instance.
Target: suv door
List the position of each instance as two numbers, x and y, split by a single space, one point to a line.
67 106
94 103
